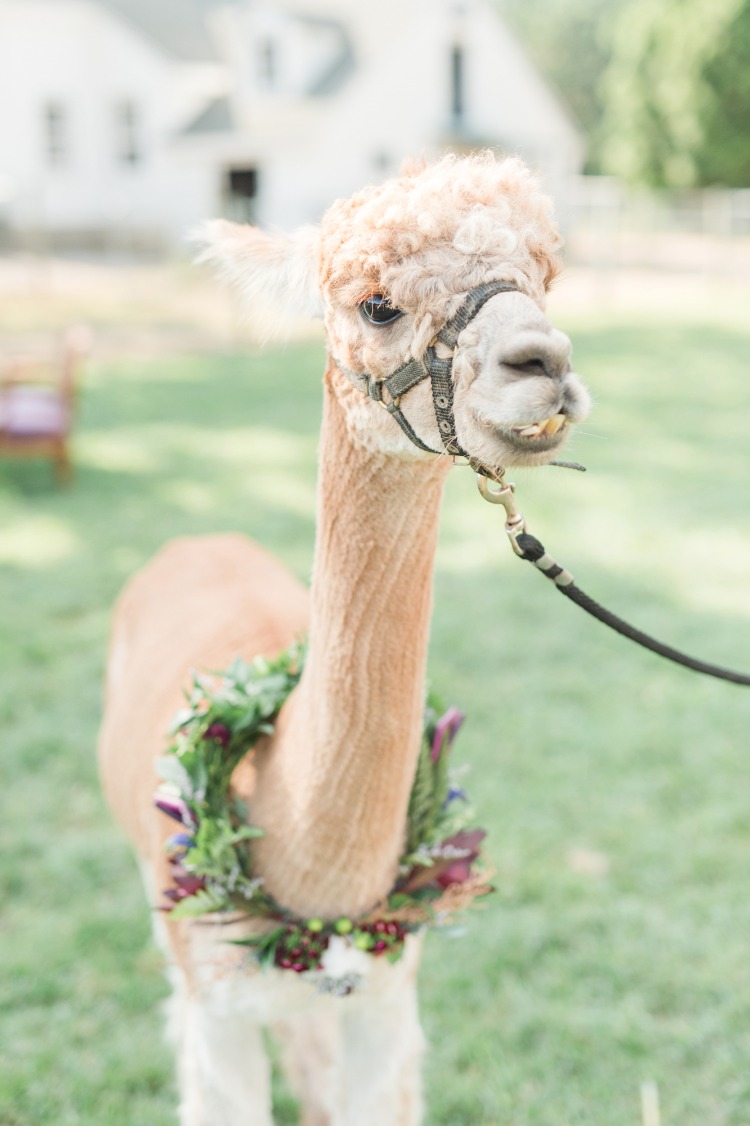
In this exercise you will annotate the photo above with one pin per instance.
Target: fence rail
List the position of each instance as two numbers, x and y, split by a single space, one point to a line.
610 225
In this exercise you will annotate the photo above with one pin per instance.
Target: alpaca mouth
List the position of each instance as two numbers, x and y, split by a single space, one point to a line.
541 436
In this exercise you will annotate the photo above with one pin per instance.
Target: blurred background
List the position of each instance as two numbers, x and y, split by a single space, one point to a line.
608 982
123 123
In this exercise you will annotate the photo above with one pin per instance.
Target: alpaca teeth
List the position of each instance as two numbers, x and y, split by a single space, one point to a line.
548 426
554 424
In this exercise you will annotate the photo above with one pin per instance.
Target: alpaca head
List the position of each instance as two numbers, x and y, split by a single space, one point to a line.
390 266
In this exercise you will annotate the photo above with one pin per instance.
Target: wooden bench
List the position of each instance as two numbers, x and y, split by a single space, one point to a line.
37 402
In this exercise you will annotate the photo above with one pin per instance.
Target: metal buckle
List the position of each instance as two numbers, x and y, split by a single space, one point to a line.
375 389
515 523
390 403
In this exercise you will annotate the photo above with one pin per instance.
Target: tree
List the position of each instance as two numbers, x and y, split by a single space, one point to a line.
677 94
569 40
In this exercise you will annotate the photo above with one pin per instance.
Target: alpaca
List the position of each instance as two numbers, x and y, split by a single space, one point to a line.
388 269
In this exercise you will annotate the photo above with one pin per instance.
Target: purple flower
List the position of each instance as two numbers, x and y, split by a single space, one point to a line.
189 883
178 845
446 729
219 732
185 885
458 871
463 849
175 808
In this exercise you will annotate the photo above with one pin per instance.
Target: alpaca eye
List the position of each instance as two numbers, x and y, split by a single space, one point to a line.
377 310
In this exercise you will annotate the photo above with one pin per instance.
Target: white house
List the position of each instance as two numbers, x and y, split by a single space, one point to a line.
142 117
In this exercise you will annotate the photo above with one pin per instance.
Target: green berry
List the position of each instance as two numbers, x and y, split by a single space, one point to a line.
362 940
344 926
315 925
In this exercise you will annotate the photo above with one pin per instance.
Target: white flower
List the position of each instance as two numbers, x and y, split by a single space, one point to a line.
341 959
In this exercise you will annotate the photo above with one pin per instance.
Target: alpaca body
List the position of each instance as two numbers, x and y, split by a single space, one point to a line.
330 788
229 597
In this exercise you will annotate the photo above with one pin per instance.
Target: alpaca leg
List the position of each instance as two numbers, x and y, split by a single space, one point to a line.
310 1058
224 1075
382 1045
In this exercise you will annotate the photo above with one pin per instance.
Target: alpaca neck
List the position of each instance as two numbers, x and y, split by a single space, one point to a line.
333 792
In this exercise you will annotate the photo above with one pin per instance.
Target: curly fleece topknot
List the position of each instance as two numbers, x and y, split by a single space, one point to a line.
439 230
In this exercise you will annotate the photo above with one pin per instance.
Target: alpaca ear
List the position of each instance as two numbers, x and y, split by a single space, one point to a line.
278 272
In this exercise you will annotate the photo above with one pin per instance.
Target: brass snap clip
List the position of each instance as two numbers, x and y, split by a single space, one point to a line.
390 402
515 523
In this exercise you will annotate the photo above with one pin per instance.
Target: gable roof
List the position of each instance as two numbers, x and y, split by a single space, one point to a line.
217 117
177 27
344 61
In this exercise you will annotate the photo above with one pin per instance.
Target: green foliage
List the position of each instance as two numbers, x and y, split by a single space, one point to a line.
434 813
421 801
226 716
660 90
210 859
570 42
677 94
724 156
427 793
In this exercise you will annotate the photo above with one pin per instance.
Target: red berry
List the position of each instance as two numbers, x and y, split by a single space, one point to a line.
219 732
380 946
299 968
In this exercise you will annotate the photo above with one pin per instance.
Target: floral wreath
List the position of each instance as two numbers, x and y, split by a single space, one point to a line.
210 858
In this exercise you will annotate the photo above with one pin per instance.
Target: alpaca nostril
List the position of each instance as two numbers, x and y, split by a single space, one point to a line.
535 366
549 363
536 352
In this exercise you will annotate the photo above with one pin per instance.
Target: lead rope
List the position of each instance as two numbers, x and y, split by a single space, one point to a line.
529 548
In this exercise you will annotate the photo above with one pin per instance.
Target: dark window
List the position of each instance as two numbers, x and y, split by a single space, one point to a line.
127 133
458 75
382 162
243 182
267 63
241 190
56 129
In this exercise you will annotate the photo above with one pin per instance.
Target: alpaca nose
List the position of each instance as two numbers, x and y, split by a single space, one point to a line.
537 353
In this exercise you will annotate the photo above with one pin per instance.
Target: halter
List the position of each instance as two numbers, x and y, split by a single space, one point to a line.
526 546
439 372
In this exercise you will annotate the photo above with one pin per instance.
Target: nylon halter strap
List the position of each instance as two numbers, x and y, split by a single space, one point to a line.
438 371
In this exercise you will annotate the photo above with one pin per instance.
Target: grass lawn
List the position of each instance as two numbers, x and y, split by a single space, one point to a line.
615 786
